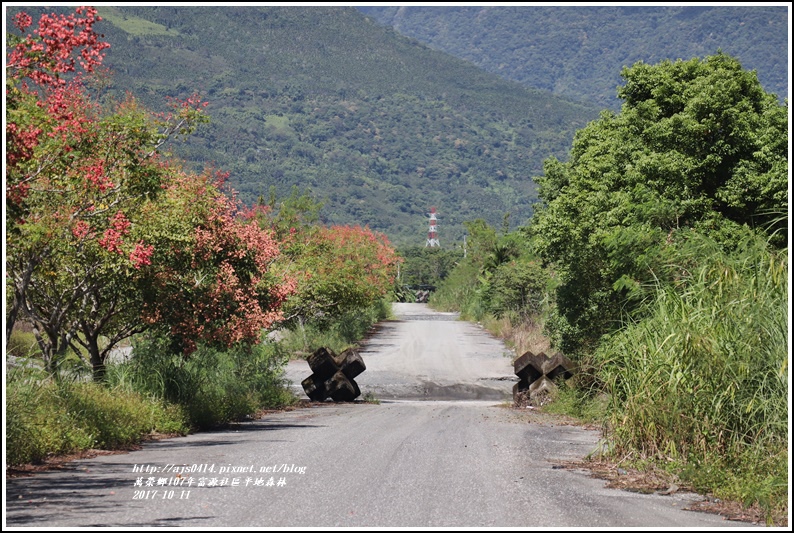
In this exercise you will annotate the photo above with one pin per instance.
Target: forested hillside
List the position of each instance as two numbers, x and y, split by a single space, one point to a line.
579 51
376 124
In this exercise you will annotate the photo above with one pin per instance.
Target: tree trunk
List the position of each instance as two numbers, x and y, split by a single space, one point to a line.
97 361
53 345
20 286
11 318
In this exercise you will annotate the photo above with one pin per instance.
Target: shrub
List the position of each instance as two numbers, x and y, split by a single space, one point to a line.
338 334
213 386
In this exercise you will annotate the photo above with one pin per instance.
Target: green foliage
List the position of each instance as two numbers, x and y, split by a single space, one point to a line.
23 344
517 288
703 379
298 212
461 290
757 476
213 386
481 242
576 397
458 292
36 423
427 265
369 397
571 51
500 277
45 418
690 134
671 290
113 418
338 334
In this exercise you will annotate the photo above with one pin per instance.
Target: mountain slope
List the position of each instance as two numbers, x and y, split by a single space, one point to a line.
378 125
579 51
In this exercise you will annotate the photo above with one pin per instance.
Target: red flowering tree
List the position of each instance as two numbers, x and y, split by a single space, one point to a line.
212 277
78 179
338 269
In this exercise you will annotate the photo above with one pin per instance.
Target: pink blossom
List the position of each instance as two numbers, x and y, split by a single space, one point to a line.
80 229
141 255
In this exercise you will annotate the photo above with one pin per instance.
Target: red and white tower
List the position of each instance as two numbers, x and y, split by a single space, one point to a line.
432 237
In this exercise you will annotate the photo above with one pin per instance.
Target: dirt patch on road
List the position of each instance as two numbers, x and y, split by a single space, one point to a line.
535 415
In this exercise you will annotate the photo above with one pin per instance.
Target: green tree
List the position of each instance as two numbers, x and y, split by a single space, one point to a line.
698 144
482 240
295 213
427 265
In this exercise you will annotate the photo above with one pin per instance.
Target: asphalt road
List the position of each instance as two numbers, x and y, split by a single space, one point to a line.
442 448
427 355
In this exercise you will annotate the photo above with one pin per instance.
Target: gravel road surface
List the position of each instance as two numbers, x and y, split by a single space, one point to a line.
442 448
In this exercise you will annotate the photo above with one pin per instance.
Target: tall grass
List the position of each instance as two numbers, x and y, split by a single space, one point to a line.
701 382
460 292
23 344
51 417
213 386
520 333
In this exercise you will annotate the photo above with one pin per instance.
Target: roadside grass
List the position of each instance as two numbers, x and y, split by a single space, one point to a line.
700 384
154 392
697 387
23 344
213 386
369 397
459 293
575 399
520 336
45 417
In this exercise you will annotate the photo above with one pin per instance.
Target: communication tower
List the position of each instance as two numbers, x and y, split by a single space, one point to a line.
432 238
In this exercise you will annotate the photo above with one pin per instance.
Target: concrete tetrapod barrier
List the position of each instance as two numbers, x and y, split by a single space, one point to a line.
332 375
536 371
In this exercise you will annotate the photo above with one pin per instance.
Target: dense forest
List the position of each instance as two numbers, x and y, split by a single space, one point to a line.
579 51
